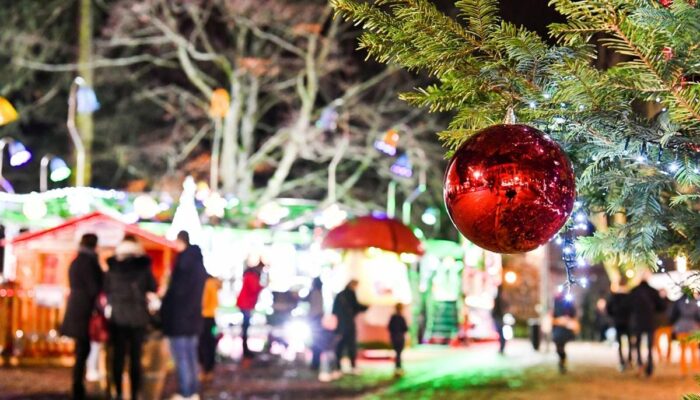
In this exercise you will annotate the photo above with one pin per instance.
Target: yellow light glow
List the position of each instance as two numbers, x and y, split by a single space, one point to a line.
215 205
629 273
34 208
146 207
7 112
409 258
681 263
510 277
220 103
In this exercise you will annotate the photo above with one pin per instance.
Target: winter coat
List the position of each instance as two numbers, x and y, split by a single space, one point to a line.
685 315
126 284
345 308
181 311
250 290
315 299
397 329
499 307
85 278
210 299
619 309
645 302
663 318
563 308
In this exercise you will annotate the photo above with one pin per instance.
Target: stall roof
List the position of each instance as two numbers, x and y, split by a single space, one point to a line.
95 217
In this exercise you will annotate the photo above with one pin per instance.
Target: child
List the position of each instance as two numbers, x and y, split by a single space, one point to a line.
327 340
397 331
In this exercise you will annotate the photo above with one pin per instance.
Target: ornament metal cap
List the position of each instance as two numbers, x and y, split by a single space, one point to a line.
510 119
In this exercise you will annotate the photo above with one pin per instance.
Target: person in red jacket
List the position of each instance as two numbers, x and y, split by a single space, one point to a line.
247 299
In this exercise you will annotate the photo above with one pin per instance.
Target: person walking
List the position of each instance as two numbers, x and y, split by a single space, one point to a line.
208 337
497 313
397 332
85 279
645 302
181 314
565 326
345 308
127 283
619 310
247 299
602 320
315 300
685 315
664 327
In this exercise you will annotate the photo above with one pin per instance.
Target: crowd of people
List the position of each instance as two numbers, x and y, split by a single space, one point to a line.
122 301
118 304
640 315
564 323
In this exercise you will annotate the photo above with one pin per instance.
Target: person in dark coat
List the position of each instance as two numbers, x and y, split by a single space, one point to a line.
127 283
397 332
181 313
685 315
497 313
645 302
345 308
85 278
564 326
619 310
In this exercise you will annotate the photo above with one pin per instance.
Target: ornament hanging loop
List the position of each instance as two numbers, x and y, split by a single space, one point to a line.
510 119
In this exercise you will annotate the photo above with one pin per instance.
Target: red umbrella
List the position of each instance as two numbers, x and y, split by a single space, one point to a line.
370 231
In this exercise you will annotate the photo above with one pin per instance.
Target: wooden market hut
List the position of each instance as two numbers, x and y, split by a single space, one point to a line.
32 306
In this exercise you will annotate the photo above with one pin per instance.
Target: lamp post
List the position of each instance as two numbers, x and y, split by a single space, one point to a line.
58 168
218 109
7 112
420 189
82 100
19 155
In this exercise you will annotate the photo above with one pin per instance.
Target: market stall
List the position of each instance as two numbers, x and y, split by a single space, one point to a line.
376 252
38 265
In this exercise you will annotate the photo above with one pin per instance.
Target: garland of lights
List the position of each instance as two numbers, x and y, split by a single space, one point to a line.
567 241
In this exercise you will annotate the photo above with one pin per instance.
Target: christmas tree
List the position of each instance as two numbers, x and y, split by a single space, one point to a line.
631 127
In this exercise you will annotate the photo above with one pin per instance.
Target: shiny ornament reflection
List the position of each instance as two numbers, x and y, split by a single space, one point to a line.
509 188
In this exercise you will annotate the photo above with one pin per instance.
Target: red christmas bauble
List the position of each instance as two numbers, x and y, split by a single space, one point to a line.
509 188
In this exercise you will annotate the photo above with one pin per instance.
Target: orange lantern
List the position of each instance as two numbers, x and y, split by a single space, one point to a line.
388 144
391 138
220 102
7 112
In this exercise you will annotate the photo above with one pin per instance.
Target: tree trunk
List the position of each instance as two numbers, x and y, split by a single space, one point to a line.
245 170
84 121
229 146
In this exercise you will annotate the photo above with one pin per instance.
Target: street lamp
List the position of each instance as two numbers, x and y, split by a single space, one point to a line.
82 99
19 155
7 112
58 169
